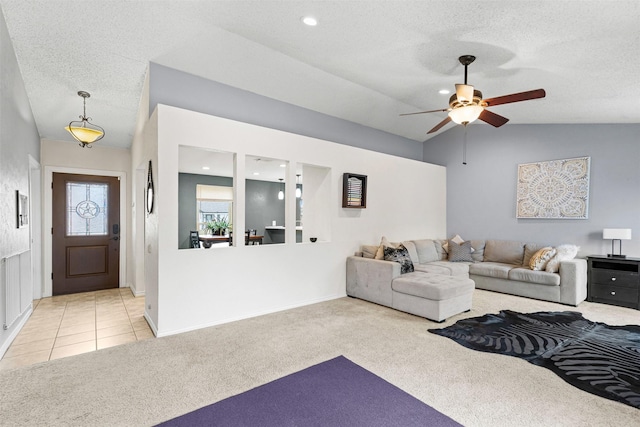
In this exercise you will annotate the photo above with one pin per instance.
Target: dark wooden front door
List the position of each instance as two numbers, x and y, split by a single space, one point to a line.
86 233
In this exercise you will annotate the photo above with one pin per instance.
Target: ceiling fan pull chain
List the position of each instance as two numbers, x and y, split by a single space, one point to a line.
464 146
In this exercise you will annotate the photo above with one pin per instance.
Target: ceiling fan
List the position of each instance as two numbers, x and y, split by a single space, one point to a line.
467 105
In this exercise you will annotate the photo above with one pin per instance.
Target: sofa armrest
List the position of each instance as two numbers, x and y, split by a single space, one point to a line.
573 281
370 279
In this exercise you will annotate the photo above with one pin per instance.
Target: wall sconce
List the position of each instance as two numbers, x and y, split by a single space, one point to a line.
281 192
83 131
618 234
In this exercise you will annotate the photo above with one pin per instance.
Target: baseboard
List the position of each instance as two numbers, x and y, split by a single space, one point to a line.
249 316
16 330
152 325
135 292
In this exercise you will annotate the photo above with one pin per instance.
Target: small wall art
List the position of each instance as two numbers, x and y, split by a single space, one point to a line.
556 189
354 191
22 209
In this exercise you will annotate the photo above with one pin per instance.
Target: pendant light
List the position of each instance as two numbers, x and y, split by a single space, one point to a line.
281 192
298 189
84 132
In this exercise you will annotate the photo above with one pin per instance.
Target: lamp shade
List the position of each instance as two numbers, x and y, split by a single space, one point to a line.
466 114
617 233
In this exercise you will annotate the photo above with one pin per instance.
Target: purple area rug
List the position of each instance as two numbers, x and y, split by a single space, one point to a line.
333 393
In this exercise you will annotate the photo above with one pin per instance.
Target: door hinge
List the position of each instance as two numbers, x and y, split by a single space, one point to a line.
51 276
51 230
52 185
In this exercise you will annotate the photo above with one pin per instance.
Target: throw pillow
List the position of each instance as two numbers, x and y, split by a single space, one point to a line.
369 251
384 243
563 253
460 252
400 255
539 260
455 238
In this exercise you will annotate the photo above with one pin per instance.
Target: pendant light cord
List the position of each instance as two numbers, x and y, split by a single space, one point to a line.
464 146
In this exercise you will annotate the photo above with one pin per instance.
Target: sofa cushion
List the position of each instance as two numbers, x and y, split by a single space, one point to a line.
399 255
459 252
444 267
504 251
539 277
432 286
478 250
540 259
411 248
440 249
492 269
427 251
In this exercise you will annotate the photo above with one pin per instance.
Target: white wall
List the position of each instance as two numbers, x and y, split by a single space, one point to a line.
68 157
197 287
19 140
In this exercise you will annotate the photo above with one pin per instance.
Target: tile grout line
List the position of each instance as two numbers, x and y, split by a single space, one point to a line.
58 330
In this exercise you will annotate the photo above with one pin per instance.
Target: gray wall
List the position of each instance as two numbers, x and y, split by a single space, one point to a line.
481 196
176 88
19 138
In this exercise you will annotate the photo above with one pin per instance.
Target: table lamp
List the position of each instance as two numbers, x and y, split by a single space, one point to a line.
614 234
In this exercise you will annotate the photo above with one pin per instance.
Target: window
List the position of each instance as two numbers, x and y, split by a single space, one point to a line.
213 203
87 206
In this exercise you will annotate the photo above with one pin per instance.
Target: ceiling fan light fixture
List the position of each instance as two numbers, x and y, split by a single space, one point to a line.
466 114
83 131
464 93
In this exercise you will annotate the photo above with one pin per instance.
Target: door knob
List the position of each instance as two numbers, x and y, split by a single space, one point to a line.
116 238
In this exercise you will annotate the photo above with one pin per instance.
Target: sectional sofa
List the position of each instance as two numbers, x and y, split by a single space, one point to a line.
495 265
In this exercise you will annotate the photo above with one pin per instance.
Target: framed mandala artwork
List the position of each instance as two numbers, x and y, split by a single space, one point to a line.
557 189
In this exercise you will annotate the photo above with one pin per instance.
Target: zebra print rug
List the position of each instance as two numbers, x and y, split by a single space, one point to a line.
595 357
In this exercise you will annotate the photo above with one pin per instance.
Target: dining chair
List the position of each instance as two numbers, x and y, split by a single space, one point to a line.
194 239
247 236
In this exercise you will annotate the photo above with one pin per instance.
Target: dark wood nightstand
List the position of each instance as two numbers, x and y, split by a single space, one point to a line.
614 281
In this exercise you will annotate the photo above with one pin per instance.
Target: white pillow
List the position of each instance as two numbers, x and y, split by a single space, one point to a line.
563 253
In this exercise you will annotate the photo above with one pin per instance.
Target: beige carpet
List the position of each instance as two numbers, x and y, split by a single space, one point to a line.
151 381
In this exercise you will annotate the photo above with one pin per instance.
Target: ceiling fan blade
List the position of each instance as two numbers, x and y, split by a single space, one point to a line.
423 112
437 127
515 97
493 119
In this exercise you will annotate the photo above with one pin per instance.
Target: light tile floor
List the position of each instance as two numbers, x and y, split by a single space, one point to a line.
67 325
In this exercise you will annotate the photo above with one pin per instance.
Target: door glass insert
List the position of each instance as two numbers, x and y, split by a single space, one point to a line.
87 209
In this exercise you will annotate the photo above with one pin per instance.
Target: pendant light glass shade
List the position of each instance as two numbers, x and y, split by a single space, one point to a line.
83 131
281 192
298 189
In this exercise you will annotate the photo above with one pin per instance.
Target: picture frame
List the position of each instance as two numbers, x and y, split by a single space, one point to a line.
22 209
354 191
555 189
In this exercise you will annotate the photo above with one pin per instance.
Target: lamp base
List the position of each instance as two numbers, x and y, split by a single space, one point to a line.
616 256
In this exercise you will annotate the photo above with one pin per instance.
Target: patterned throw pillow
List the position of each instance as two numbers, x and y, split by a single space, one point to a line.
460 252
539 260
401 255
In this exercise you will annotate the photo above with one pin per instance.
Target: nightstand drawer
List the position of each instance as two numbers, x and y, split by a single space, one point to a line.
615 293
614 277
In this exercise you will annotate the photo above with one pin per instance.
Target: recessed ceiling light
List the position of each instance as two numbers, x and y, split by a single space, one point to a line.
444 91
206 168
256 173
283 165
310 21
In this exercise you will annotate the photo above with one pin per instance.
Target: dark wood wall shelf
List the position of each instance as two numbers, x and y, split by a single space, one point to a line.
614 281
354 191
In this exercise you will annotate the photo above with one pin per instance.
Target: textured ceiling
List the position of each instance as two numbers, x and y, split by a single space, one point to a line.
366 61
